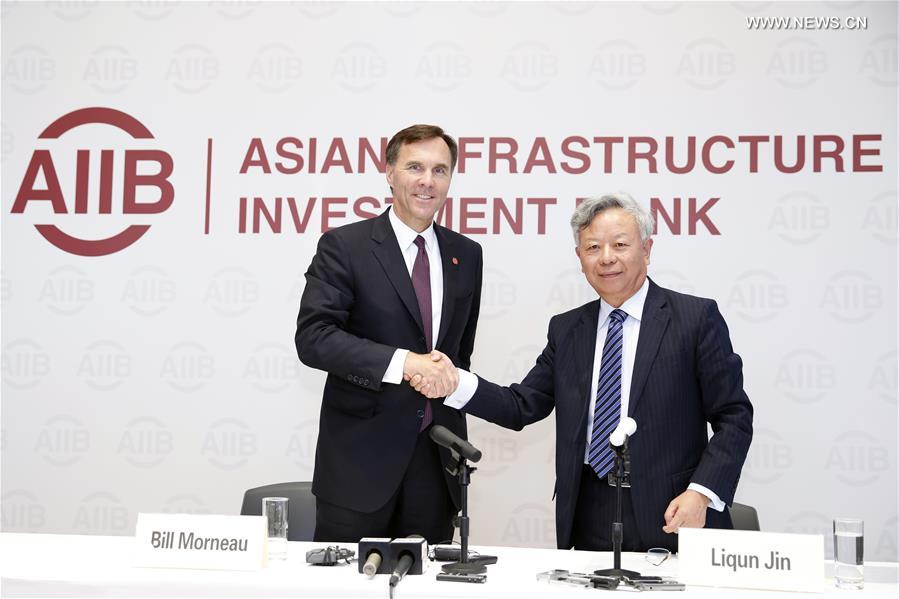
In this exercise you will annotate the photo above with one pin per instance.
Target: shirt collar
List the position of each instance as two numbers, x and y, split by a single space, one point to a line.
632 306
405 235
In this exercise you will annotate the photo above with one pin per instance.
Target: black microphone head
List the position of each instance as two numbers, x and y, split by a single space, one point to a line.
446 438
438 433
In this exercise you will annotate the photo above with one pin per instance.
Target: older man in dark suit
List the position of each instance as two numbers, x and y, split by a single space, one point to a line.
380 295
661 357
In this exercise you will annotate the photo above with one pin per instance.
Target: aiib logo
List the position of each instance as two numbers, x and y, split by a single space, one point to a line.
140 175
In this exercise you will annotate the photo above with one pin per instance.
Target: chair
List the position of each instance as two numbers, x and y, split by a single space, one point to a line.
744 517
300 507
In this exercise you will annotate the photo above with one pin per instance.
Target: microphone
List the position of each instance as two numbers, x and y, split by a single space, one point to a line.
374 552
408 556
446 438
625 429
402 567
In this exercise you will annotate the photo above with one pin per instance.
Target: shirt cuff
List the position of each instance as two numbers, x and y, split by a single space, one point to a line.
394 372
714 503
468 384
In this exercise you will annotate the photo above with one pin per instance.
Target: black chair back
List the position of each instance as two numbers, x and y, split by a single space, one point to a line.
744 517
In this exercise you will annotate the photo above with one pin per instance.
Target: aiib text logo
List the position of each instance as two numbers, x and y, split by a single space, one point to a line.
59 184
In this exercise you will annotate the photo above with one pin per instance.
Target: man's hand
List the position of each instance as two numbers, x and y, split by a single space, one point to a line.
431 375
686 510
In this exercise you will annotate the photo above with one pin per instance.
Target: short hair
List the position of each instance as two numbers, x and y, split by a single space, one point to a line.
417 133
589 208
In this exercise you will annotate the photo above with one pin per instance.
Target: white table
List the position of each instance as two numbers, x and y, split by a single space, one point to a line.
94 566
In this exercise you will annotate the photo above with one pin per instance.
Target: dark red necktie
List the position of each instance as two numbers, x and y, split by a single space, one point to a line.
421 281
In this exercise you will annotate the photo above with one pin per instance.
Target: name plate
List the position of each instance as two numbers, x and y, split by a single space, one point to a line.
751 560
205 542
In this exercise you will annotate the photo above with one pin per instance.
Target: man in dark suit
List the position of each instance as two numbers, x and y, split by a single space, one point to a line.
661 357
380 295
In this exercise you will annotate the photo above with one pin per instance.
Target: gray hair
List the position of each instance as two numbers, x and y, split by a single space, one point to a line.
589 208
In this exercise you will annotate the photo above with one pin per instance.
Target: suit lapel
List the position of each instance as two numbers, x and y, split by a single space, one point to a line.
387 251
584 336
652 327
450 281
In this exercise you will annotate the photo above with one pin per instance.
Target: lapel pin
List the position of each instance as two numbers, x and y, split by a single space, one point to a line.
455 261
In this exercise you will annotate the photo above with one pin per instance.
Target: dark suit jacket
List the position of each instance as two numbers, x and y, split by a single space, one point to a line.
685 374
358 307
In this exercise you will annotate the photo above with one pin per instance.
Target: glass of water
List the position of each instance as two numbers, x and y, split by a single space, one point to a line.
849 553
275 511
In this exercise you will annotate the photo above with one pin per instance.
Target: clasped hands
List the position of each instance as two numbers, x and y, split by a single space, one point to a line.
433 375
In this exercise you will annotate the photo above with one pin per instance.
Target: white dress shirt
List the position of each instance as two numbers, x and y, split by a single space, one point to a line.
405 236
630 331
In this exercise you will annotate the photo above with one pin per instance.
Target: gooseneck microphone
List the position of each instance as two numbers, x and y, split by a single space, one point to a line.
618 440
624 430
446 438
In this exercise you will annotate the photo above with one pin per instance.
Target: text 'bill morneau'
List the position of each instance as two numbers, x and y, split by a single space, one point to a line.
188 540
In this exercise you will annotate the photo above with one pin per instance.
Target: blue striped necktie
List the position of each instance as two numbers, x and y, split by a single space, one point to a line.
607 413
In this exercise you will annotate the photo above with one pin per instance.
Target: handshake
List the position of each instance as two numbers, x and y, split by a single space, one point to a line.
433 375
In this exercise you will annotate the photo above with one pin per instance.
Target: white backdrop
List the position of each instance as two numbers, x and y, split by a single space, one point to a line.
162 377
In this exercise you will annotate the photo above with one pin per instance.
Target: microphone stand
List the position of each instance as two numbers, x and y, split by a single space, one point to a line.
622 469
463 471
